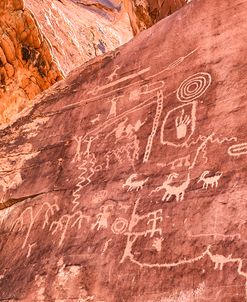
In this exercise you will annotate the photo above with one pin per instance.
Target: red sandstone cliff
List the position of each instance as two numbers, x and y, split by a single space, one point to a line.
127 181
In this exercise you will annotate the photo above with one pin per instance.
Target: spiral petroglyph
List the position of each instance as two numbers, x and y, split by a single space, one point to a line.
193 87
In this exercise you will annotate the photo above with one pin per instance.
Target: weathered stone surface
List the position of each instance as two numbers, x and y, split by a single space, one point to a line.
127 181
43 40
145 13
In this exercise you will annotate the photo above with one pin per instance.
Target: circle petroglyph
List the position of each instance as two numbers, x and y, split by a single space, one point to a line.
119 226
193 87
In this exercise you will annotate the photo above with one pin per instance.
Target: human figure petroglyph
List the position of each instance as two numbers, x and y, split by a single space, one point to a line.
177 191
102 218
19 222
210 180
182 123
64 221
77 156
89 142
153 218
134 184
113 109
159 108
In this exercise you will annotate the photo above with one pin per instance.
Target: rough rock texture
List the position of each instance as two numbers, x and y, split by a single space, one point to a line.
43 40
127 181
144 13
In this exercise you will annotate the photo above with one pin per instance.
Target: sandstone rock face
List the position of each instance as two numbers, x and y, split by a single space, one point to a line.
144 13
27 65
43 40
127 181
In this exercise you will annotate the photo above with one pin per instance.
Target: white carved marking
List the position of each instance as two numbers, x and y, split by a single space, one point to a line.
102 218
106 246
177 191
96 119
237 150
181 125
194 87
89 142
119 226
157 243
113 74
134 184
63 223
113 109
210 180
77 156
123 79
159 108
32 218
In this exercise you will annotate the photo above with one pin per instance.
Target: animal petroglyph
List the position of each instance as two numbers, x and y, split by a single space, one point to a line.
194 86
113 74
177 191
67 220
184 125
119 226
159 108
134 184
210 180
96 119
238 149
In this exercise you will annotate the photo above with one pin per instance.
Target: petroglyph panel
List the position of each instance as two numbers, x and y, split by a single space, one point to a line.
136 187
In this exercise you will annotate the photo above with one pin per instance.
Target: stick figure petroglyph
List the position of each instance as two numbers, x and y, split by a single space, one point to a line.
153 219
210 180
113 109
96 119
89 142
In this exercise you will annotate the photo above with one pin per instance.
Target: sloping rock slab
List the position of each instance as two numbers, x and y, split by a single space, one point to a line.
127 181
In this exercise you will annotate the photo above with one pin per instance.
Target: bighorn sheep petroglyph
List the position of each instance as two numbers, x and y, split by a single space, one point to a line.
209 180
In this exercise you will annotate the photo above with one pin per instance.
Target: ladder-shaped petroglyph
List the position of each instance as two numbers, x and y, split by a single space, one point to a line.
172 189
153 220
133 184
210 180
31 217
66 221
159 108
194 87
